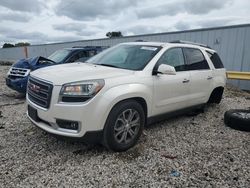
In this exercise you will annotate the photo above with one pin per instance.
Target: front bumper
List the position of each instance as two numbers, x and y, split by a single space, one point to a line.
91 137
19 84
91 117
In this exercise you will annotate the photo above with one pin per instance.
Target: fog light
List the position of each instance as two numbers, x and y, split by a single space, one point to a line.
66 124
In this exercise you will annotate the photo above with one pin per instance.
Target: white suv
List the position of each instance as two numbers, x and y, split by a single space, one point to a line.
110 98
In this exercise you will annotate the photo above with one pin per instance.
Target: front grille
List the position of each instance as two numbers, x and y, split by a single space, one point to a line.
18 72
39 92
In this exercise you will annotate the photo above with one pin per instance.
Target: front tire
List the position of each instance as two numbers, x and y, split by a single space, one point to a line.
124 126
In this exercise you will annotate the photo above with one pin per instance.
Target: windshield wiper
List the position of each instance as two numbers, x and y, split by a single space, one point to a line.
108 65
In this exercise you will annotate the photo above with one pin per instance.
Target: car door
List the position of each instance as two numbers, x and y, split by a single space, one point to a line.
201 76
171 92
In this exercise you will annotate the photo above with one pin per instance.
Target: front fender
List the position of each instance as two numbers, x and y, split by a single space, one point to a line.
122 92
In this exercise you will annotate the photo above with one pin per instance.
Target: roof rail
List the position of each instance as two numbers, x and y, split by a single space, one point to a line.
78 46
188 42
140 40
90 47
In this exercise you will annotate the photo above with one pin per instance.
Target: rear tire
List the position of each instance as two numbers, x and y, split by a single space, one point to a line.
124 126
238 119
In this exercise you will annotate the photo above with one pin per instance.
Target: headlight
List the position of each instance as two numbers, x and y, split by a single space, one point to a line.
80 91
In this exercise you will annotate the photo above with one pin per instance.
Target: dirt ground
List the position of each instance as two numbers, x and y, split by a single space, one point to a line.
187 151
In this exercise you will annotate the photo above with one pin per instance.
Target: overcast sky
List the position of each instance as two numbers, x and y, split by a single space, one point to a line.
47 21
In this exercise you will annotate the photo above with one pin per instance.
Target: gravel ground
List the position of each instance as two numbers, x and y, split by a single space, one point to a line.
198 151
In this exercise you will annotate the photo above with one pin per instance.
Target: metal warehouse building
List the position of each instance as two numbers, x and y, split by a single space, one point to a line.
231 42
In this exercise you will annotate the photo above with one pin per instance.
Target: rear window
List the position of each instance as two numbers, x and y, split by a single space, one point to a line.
215 60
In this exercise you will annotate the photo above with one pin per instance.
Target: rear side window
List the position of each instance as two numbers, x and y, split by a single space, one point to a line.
215 60
195 59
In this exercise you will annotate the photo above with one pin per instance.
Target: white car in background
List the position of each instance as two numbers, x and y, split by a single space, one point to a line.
111 98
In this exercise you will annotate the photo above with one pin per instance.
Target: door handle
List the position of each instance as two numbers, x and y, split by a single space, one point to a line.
209 77
185 81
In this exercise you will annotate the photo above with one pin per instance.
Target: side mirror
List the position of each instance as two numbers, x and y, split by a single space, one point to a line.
166 69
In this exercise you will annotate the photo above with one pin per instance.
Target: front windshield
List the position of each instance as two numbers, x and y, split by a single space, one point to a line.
59 55
125 56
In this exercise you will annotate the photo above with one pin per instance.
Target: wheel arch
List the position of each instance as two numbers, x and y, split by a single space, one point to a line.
139 100
216 94
139 92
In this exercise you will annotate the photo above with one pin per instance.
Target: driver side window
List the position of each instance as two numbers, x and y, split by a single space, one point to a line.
173 57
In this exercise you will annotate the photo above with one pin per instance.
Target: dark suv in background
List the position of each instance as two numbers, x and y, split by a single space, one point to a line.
18 74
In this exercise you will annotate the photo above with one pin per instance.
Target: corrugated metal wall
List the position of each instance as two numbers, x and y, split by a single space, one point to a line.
231 42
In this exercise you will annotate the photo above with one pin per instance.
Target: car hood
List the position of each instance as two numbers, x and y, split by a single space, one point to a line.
73 72
33 63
